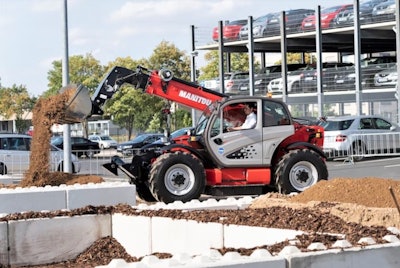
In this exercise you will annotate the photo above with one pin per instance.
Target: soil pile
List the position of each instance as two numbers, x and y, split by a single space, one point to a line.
47 112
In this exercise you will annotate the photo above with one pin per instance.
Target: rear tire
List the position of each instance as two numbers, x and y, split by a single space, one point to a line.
89 153
3 169
299 170
358 149
177 177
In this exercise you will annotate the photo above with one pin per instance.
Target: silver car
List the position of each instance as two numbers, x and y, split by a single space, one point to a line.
360 136
104 141
386 78
15 155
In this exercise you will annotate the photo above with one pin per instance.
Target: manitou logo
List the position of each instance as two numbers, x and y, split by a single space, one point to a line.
194 97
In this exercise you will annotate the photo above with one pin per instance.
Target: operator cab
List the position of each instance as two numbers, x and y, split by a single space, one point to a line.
249 147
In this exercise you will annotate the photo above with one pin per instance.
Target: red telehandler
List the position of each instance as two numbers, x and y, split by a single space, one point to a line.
277 154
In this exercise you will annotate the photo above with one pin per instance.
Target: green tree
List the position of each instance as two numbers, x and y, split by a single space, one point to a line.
298 58
155 124
167 55
15 101
131 108
239 62
85 70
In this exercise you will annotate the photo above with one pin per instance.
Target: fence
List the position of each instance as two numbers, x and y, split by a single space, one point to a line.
16 164
359 146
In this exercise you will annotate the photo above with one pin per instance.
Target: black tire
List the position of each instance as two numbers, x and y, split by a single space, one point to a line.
60 167
89 153
296 87
358 148
144 192
3 169
299 170
177 177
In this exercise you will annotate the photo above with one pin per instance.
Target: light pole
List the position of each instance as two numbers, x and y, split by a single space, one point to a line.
65 82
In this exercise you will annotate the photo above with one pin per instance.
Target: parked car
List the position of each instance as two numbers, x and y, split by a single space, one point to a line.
15 155
275 86
346 79
384 11
180 135
230 30
293 17
328 16
268 73
341 135
236 82
386 78
344 18
366 9
308 79
104 141
259 27
80 146
127 148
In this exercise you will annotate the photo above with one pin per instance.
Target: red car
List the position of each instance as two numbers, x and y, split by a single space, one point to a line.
230 30
328 16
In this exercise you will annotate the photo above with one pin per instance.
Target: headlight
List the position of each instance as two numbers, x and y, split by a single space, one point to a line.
127 147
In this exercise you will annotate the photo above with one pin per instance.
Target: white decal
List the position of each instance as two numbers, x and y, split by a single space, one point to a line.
193 97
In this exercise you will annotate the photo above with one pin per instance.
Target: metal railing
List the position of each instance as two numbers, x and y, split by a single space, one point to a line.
366 145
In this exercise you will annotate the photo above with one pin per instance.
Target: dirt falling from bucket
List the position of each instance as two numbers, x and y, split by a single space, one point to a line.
47 111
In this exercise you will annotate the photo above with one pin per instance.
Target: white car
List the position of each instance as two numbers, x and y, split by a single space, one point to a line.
15 155
293 84
360 136
386 77
104 141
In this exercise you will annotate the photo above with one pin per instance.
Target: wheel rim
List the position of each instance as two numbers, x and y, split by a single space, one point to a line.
179 179
303 175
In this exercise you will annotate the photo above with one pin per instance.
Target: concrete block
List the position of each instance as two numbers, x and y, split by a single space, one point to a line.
238 236
178 236
4 244
101 194
133 233
371 257
6 179
40 241
32 199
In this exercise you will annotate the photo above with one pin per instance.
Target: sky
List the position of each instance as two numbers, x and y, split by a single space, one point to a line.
32 31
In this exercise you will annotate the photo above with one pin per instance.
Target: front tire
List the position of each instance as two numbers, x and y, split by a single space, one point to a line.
299 170
177 177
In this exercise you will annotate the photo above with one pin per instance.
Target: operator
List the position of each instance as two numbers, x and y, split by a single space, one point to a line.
251 117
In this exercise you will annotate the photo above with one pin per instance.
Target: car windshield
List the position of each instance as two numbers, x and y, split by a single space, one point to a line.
105 138
337 125
57 141
330 9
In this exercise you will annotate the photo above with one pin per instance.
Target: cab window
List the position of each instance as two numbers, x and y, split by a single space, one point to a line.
274 114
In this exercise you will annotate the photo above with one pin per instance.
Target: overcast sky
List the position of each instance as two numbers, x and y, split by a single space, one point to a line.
32 31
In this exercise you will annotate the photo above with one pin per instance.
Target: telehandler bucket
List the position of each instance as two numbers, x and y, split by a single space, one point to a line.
79 104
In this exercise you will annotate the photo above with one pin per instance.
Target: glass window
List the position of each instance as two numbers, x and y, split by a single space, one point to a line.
274 114
382 124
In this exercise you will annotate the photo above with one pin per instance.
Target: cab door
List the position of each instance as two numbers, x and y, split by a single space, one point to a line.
249 147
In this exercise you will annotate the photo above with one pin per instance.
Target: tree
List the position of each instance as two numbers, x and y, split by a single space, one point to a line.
298 58
239 62
85 70
15 101
132 109
167 55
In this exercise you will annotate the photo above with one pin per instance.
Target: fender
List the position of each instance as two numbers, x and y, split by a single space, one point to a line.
193 151
310 146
